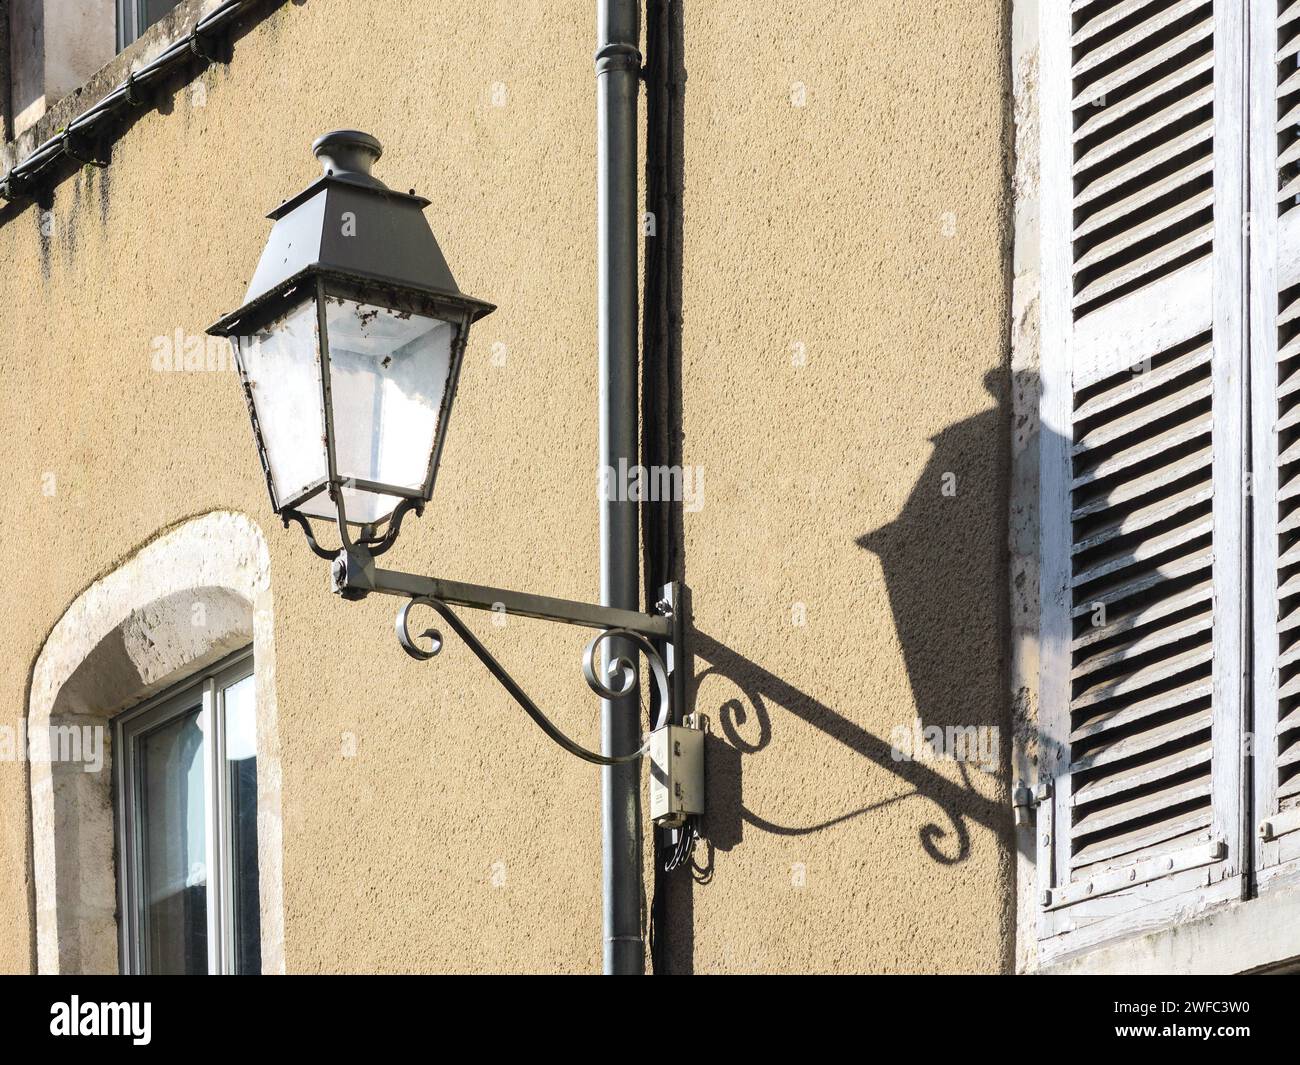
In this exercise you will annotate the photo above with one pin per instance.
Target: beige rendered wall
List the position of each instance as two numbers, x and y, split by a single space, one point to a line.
844 207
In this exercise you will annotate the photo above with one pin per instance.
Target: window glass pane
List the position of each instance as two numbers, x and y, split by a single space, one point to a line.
241 770
284 378
154 10
388 373
174 835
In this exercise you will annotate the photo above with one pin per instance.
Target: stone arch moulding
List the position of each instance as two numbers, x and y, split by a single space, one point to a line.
184 600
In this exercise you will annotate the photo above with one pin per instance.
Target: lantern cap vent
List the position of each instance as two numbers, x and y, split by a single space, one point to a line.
348 154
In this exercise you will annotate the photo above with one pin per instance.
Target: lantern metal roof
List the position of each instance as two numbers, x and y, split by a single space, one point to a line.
348 225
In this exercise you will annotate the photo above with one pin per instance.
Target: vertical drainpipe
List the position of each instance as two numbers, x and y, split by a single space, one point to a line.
618 66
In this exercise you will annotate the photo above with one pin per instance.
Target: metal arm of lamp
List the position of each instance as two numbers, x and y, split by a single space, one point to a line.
354 576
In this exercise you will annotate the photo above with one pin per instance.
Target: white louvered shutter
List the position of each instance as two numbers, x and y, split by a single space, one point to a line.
1142 448
1275 406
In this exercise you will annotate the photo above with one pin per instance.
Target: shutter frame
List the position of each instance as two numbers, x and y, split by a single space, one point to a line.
1275 275
1081 350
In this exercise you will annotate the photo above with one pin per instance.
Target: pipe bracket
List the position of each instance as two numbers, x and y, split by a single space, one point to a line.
618 57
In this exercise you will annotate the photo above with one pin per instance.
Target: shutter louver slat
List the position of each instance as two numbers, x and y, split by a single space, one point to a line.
1290 490
1287 421
1291 384
1156 32
1161 672
1136 809
1162 50
1287 624
1193 759
1144 484
1118 622
1183 695
1286 735
1292 720
1144 518
1126 652
1150 228
1151 547
1142 102
1165 573
1172 86
1173 253
1142 842
1157 124
1126 170
1288 101
1289 119
1292 451
1139 582
1136 420
1196 173
1154 377
1141 705
1289 524
1120 12
1290 310
1144 452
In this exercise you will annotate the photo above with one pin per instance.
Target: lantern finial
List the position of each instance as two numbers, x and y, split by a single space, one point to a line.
348 153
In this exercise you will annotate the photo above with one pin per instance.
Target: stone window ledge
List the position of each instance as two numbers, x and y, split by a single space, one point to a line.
1259 935
171 28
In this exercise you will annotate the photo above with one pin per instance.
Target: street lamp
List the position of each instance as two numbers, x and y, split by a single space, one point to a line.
349 346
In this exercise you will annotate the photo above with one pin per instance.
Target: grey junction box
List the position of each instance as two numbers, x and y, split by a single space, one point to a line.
676 774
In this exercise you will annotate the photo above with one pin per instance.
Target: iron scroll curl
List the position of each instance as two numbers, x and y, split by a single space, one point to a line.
618 667
407 641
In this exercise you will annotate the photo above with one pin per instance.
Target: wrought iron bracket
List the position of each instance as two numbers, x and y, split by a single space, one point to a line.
659 637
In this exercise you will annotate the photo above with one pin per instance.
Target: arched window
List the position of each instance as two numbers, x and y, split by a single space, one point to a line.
119 673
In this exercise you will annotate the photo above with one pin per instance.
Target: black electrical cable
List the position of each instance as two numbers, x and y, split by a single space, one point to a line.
685 846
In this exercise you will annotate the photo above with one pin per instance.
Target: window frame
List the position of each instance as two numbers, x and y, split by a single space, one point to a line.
128 20
130 25
1275 270
1217 924
129 728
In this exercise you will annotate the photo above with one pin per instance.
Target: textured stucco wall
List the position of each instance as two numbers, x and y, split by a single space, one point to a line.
866 232
845 302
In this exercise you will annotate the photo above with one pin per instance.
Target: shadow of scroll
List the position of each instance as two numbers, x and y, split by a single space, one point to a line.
946 841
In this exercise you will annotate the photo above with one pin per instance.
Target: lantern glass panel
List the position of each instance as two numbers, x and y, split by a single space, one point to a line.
363 506
389 372
281 364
